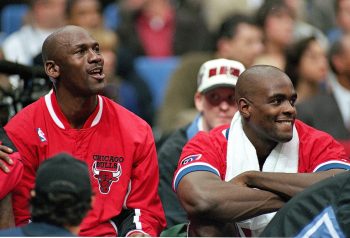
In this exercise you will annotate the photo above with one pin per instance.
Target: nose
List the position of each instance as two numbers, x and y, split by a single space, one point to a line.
289 108
95 56
224 105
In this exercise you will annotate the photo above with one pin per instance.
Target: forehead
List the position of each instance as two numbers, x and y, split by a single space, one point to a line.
273 84
74 38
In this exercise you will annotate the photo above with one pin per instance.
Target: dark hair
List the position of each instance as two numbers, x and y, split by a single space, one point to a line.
270 7
294 53
335 49
58 208
228 28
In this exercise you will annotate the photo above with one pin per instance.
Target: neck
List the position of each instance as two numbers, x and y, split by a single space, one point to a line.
263 147
77 109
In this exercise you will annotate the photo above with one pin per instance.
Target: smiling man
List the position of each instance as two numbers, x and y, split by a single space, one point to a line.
117 146
232 180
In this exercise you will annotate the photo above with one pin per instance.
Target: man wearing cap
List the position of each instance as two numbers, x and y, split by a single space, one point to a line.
215 103
60 200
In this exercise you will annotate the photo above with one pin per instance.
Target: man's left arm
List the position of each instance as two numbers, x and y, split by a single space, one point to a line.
145 215
285 185
321 157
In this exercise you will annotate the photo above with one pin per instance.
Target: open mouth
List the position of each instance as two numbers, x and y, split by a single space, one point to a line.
97 73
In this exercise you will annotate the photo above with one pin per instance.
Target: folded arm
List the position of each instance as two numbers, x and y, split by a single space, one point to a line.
284 184
204 194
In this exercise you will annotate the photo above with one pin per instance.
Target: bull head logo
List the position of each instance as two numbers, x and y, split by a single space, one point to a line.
105 178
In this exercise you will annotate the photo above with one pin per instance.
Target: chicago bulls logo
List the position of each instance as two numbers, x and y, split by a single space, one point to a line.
105 178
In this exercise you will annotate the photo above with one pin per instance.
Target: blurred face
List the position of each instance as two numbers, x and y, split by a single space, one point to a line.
313 63
217 106
246 45
272 110
109 63
50 13
279 28
80 64
86 13
343 17
342 62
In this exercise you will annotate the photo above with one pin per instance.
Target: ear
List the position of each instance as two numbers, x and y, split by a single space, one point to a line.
198 101
243 107
52 69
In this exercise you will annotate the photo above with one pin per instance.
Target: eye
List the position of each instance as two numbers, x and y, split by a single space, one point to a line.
276 101
292 101
97 49
80 51
214 97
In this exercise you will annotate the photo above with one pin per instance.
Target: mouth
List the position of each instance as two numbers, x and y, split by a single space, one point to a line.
286 122
97 73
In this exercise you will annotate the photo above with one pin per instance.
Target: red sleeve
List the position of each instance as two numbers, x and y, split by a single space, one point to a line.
318 151
9 180
204 152
143 197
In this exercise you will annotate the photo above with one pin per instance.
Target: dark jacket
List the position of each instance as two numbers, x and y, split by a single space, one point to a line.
36 229
323 113
168 156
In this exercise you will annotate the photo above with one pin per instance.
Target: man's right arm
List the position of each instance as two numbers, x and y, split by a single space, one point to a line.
204 194
7 219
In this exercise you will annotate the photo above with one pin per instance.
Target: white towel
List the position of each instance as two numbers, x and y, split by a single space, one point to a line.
241 157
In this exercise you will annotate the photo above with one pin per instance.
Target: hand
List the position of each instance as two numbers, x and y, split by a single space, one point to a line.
5 158
242 179
138 234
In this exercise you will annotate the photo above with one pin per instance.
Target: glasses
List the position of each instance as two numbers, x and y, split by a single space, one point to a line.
216 99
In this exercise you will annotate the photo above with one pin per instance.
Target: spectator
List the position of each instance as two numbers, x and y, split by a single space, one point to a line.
215 103
84 13
157 28
342 16
117 146
239 38
307 67
252 167
333 107
24 45
277 21
61 198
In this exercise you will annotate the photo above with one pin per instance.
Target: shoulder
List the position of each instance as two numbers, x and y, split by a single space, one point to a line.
27 115
309 133
216 138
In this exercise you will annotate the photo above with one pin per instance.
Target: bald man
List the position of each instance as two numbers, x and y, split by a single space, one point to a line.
231 181
74 118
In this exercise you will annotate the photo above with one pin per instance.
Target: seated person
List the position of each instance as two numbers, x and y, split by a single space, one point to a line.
231 179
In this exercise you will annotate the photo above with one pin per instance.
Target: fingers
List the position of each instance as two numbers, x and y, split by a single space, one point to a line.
5 158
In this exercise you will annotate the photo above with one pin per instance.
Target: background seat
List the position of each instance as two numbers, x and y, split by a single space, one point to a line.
156 72
12 17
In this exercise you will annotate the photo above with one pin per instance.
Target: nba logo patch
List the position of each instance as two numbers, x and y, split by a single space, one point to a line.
41 135
190 158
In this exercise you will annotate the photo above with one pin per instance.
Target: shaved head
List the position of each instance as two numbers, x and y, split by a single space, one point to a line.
256 78
53 43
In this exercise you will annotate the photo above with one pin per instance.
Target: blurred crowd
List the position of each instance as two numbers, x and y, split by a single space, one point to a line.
307 39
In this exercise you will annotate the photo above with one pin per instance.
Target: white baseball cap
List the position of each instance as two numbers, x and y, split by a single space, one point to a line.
218 73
